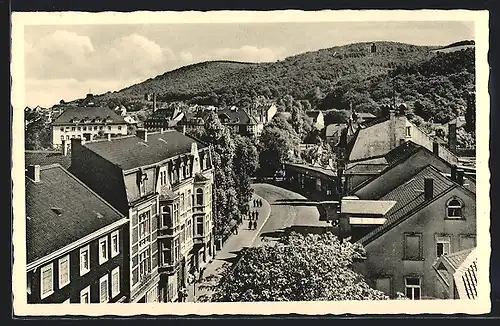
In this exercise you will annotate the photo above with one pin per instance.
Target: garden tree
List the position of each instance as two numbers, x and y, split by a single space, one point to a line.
196 132
38 133
465 139
296 268
299 120
336 116
277 142
226 203
245 163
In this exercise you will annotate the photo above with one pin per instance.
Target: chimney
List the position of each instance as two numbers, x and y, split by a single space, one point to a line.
109 137
154 102
460 177
435 147
142 133
34 172
452 136
454 173
428 188
65 147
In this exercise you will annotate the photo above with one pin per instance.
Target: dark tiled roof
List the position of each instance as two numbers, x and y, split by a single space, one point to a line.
167 194
200 178
466 276
82 212
410 196
47 158
402 152
79 113
132 152
236 116
456 259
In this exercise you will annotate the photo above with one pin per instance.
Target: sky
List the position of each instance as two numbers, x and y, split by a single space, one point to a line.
69 61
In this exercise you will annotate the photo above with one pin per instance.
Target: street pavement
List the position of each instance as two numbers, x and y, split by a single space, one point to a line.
274 216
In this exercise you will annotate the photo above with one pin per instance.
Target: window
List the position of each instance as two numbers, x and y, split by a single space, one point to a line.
85 295
199 197
182 235
84 260
73 128
442 245
142 187
79 128
63 271
199 225
383 284
183 203
408 131
84 128
181 171
189 199
67 137
176 214
109 127
166 216
412 285
144 219
119 127
95 127
103 250
103 289
189 230
115 282
454 209
177 250
144 263
47 281
166 257
413 247
62 128
115 243
62 137
101 127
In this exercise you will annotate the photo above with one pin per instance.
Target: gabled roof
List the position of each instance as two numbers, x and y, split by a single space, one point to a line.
462 265
365 169
79 113
317 169
395 174
237 116
60 210
409 197
133 152
46 158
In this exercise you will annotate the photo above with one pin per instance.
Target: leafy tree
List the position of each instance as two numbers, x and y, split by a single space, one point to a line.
465 139
470 112
226 203
296 268
38 134
277 144
245 163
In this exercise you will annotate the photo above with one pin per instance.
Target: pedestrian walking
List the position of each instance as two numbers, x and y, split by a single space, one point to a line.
256 215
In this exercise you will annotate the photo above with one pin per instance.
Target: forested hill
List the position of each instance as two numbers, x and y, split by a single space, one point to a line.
327 79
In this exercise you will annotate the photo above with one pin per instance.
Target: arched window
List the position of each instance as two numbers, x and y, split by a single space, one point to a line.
166 216
454 208
199 197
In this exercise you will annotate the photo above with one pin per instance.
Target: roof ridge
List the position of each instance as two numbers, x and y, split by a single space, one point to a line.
379 231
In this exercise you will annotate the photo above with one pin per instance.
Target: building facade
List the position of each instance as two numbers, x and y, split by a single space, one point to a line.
159 185
83 262
86 122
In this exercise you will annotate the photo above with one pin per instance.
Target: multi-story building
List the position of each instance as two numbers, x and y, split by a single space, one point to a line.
86 122
433 214
76 241
163 182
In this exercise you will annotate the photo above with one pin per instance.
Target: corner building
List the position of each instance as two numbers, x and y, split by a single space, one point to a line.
163 182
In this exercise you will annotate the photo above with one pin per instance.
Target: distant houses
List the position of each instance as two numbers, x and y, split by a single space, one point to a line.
86 122
318 119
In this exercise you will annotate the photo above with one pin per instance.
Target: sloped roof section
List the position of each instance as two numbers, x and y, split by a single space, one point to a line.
133 152
47 158
465 276
409 197
59 201
78 113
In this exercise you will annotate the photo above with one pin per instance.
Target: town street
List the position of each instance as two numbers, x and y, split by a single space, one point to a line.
273 217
